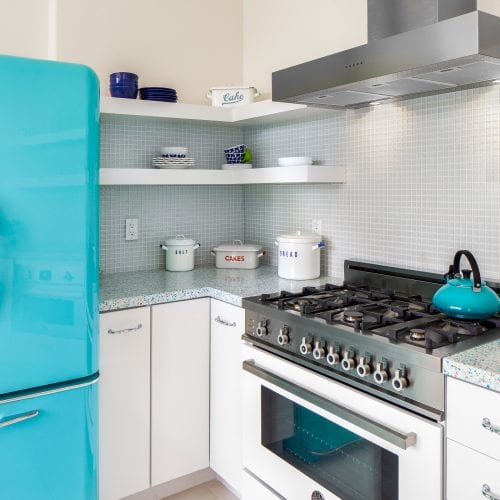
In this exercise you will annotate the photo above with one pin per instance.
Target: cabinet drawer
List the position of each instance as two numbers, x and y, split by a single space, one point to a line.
467 408
468 471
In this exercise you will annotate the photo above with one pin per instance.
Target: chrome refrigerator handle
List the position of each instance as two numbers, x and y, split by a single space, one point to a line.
389 435
18 418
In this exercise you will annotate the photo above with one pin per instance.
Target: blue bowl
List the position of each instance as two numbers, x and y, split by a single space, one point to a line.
234 157
123 91
236 149
123 76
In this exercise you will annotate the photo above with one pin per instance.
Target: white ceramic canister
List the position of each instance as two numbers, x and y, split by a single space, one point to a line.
237 255
179 253
299 255
232 96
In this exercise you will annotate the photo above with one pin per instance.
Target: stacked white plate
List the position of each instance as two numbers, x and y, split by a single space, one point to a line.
162 162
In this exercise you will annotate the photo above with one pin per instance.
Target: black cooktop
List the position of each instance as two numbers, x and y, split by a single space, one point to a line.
408 319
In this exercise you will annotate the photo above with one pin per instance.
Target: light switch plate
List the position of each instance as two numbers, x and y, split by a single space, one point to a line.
316 226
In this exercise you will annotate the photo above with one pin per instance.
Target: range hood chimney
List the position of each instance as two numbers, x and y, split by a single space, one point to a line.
414 47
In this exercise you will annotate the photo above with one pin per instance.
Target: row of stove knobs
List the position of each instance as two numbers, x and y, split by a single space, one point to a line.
332 355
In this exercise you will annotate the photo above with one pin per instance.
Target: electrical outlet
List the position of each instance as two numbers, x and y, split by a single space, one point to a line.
131 229
316 226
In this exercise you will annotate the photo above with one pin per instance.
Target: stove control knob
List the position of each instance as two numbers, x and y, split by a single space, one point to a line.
284 336
332 358
261 329
363 369
319 350
380 376
305 346
348 362
399 382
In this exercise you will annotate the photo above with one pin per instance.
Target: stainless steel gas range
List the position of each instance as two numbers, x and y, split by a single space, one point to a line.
363 358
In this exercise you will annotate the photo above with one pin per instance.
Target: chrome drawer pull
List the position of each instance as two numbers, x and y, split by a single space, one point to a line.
19 418
489 426
125 330
488 494
224 322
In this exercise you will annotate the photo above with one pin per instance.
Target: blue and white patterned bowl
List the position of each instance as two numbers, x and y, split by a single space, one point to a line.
236 149
234 157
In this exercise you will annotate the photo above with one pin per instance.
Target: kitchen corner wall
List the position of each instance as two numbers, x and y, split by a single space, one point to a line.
209 214
423 180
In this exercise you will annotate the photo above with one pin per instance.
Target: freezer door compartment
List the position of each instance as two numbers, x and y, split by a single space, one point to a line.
49 444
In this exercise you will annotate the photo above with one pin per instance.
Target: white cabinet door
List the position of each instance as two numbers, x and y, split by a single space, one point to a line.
124 389
180 389
227 327
468 472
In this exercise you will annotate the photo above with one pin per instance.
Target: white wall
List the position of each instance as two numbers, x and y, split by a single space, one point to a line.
190 45
24 28
282 33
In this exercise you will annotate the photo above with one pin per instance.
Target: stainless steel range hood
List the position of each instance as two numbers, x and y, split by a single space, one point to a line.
453 51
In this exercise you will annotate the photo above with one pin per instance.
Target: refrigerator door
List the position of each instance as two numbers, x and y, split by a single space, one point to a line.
49 138
49 445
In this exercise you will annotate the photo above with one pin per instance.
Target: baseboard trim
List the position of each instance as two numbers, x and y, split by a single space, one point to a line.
174 486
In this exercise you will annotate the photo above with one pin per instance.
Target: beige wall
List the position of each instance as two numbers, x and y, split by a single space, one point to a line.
491 6
282 33
190 45
24 28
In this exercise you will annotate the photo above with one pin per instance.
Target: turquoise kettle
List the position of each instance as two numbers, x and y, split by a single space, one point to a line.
463 296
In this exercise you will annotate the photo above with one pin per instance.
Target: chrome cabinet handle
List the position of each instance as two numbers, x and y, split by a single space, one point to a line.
125 330
19 418
489 426
388 434
486 491
224 322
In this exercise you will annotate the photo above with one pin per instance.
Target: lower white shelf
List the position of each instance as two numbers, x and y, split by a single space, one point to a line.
275 175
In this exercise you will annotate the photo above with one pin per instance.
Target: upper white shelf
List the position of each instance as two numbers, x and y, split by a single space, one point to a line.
258 112
275 175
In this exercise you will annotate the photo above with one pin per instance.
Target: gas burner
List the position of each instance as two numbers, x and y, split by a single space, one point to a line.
351 316
302 305
417 334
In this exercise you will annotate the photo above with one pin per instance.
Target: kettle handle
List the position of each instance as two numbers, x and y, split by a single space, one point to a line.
476 275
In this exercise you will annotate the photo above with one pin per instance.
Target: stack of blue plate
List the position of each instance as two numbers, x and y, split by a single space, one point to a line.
158 94
124 85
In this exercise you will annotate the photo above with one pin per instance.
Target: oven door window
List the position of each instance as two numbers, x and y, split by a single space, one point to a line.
343 462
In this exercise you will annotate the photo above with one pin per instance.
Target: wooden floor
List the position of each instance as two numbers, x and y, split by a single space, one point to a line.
213 490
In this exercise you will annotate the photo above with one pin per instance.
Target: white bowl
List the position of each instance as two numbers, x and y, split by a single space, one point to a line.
294 161
177 150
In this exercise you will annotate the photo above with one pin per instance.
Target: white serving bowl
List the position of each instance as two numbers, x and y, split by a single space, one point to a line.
294 161
174 150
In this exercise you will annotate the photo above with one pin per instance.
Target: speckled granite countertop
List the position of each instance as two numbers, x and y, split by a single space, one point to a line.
145 288
479 365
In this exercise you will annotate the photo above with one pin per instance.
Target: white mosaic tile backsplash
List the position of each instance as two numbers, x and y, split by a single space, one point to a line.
209 214
423 181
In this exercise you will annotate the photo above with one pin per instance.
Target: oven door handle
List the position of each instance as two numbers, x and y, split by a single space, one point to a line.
389 435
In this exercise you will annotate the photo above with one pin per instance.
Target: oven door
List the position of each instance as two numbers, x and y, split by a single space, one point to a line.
307 436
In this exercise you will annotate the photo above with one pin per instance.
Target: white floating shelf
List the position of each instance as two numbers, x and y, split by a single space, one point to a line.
258 112
276 175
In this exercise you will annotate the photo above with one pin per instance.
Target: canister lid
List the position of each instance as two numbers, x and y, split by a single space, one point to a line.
180 240
238 246
299 237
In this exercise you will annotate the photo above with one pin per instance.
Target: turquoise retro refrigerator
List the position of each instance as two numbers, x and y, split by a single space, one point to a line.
49 139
